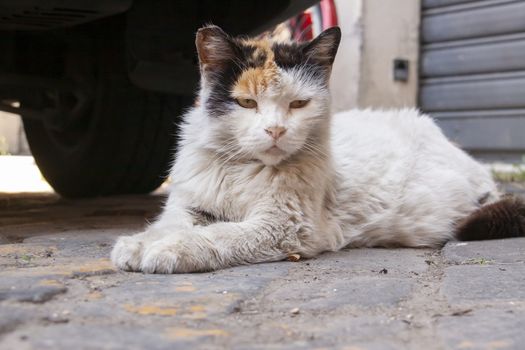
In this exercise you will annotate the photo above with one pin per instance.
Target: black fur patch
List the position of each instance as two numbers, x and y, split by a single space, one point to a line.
221 81
503 219
318 53
315 57
256 60
289 55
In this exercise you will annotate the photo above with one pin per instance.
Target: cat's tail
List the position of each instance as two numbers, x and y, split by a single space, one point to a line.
502 219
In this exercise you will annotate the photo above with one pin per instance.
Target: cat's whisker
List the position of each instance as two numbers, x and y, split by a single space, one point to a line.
227 152
316 153
315 148
224 158
226 147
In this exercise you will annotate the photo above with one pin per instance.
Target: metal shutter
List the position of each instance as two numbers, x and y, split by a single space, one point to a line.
472 73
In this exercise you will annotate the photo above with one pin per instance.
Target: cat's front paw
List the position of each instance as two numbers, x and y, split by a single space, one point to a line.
127 253
179 255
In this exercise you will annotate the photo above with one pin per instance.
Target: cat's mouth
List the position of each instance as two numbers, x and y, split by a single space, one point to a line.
274 150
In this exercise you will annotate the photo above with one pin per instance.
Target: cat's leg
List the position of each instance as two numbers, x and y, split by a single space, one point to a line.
221 245
128 250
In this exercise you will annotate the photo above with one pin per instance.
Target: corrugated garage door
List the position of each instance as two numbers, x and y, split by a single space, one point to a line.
473 73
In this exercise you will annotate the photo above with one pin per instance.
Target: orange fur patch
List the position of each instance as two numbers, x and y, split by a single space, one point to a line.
254 81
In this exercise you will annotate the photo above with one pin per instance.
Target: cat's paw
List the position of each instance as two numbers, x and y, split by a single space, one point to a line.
179 255
127 253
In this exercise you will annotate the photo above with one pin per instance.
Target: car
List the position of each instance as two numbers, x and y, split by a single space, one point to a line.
101 84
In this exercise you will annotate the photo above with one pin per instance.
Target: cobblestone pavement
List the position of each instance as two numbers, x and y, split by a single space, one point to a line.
58 290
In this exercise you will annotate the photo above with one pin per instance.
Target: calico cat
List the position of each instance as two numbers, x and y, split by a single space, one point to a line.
264 170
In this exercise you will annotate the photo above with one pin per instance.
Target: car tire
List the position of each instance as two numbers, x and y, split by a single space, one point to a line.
124 138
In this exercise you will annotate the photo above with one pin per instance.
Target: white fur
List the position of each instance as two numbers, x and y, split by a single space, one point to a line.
356 179
394 180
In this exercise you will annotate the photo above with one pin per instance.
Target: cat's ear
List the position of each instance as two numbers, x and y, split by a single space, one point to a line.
215 48
323 49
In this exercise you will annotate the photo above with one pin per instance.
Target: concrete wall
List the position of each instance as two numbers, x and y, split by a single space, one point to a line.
375 32
346 70
12 136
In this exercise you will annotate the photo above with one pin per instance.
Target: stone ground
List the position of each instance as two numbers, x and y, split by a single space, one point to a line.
58 290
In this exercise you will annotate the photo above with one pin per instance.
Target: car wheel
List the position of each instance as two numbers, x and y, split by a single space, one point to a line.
121 140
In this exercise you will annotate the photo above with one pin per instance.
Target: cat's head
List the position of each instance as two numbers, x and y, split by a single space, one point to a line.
265 98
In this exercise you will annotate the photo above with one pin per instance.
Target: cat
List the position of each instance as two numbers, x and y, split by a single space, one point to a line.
264 171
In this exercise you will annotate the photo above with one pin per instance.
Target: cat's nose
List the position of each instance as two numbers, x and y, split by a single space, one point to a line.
275 131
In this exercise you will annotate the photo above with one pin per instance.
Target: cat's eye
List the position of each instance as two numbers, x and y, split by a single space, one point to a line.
299 103
247 103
